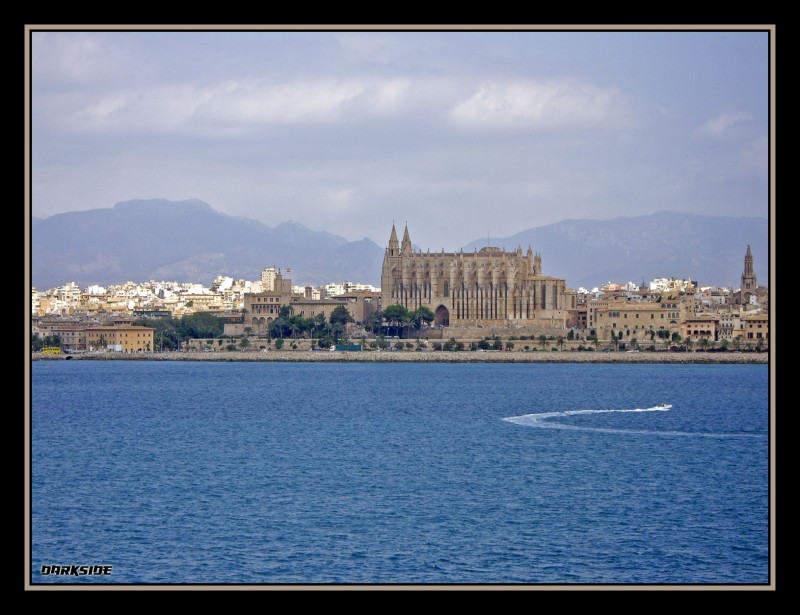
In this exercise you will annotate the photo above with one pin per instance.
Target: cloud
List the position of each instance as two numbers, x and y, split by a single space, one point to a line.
724 125
226 108
541 105
76 58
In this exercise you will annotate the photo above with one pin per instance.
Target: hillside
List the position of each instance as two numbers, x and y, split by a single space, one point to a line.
188 241
588 253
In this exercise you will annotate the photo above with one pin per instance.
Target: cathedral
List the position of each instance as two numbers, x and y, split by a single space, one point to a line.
489 287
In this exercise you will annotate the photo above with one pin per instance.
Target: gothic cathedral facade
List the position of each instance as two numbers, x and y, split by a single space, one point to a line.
487 288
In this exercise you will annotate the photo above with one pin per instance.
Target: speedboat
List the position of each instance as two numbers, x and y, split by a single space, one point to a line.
663 406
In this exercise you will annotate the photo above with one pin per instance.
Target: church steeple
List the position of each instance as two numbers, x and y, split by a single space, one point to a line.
748 263
406 248
749 283
394 246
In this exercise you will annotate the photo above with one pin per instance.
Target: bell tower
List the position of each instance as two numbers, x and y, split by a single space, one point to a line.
749 283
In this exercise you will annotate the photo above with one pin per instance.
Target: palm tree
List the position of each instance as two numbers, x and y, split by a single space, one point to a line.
544 341
560 342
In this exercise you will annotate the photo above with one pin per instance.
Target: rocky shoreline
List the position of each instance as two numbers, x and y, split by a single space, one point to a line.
306 356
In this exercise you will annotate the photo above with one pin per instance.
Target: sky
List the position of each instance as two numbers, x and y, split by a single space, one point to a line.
460 135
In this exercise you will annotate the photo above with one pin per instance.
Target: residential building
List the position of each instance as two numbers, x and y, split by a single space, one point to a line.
634 318
120 338
702 326
756 328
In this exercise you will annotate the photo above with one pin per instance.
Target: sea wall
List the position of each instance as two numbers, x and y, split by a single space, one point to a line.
424 356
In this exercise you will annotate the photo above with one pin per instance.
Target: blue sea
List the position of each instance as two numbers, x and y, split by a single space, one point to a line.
400 473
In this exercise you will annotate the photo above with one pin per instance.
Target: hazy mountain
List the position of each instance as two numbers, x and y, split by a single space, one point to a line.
188 241
588 253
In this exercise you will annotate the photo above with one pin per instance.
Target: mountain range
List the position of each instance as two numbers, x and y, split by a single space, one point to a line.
189 241
708 249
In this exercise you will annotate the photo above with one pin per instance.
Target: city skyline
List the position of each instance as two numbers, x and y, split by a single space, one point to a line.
475 132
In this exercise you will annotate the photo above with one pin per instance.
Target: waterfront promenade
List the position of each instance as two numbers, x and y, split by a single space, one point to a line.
303 356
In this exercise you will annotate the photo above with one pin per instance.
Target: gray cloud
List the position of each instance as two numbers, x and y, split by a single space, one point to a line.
459 133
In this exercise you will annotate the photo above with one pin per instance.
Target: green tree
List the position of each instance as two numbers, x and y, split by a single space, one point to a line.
279 328
244 343
397 317
422 316
279 343
544 341
374 323
199 325
340 316
320 325
560 342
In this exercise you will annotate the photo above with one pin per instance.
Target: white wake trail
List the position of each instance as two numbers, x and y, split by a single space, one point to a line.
545 420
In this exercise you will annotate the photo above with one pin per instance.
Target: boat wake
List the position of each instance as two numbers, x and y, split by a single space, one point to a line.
550 420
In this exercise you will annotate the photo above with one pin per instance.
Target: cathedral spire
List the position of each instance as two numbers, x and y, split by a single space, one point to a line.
394 247
406 249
